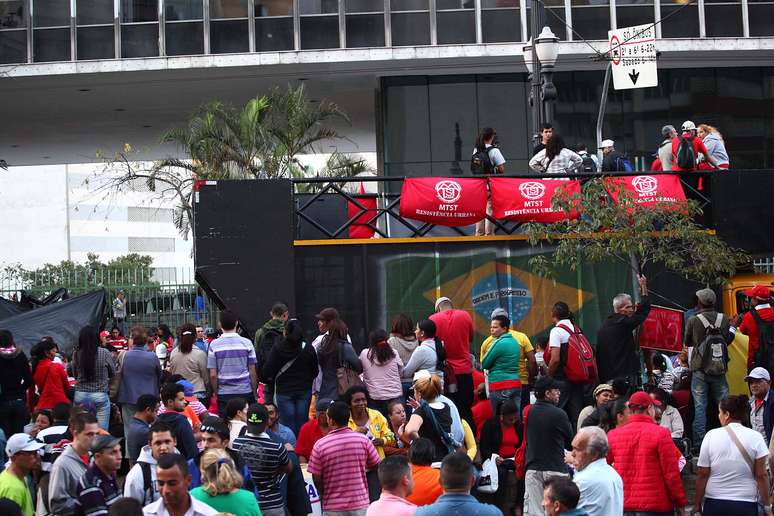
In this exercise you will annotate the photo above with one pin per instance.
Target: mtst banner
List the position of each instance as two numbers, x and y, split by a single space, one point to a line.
444 201
648 190
529 200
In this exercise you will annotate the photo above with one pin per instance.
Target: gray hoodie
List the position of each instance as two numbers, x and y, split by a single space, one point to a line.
716 148
63 484
134 487
404 348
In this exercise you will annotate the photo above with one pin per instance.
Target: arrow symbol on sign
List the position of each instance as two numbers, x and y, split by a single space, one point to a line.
634 76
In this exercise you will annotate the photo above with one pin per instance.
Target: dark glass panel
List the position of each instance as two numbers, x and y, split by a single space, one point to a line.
455 27
184 39
140 40
272 34
228 37
410 29
365 30
96 43
319 32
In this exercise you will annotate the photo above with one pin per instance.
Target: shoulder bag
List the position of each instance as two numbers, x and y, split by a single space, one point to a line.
346 377
284 368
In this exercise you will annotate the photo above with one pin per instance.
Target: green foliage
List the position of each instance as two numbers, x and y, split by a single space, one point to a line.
659 234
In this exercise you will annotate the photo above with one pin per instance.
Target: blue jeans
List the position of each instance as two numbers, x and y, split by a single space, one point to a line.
294 409
497 397
102 403
702 386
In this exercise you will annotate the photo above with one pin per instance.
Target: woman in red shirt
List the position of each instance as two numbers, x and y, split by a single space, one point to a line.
50 378
502 435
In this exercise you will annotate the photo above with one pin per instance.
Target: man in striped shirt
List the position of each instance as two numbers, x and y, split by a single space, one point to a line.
231 363
338 465
266 459
98 489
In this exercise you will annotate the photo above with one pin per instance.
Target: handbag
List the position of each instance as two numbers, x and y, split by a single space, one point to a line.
489 481
346 377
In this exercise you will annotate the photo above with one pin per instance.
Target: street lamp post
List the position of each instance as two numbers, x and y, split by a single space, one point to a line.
540 57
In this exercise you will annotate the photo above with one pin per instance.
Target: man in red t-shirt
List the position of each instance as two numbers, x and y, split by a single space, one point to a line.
760 301
455 328
689 131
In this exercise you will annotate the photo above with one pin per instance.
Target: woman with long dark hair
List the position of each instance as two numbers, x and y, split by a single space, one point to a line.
50 378
93 367
556 158
732 465
335 351
15 379
291 368
430 354
381 371
190 362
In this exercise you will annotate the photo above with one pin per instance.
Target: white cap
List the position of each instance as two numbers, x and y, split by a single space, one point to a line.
22 442
688 126
441 300
161 351
607 143
498 311
421 375
759 373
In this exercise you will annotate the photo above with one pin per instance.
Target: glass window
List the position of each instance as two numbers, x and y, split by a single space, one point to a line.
500 21
50 13
228 9
230 36
631 15
184 39
51 45
455 22
365 30
13 46
512 125
12 14
554 18
319 32
139 11
178 10
407 121
93 12
96 43
410 22
272 34
452 116
683 21
723 20
761 18
140 40
318 6
591 19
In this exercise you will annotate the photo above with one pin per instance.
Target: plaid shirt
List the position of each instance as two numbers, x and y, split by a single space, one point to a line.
103 371
96 493
566 162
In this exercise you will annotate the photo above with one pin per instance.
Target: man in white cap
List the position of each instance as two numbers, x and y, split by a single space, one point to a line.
613 160
24 457
761 404
455 328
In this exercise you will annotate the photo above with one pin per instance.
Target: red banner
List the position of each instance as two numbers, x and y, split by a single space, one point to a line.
662 330
529 200
444 201
360 228
649 190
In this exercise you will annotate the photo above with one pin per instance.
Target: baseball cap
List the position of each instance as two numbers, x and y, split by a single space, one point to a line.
706 296
641 399
603 387
22 442
215 425
667 130
759 373
327 314
688 126
441 300
545 383
760 291
187 387
210 332
498 311
422 374
161 351
257 414
322 404
104 441
104 333
606 143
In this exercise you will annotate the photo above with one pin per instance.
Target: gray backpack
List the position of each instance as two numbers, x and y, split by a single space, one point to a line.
713 349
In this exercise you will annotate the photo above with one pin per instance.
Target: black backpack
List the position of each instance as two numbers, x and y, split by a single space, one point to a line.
588 166
764 357
481 163
686 157
264 346
713 349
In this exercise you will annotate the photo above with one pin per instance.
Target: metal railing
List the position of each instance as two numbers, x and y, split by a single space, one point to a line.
386 221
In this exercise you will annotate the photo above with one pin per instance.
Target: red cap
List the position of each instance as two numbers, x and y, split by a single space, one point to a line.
641 399
760 291
104 333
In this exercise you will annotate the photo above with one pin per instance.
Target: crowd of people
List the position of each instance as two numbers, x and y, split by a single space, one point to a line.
413 423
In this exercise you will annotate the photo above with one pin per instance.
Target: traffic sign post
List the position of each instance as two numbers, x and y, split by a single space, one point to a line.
633 57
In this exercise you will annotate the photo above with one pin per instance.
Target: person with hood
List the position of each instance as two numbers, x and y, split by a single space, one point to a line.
71 465
140 482
713 140
50 378
173 399
15 379
266 338
290 369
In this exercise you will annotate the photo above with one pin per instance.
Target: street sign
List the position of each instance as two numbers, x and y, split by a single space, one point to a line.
633 56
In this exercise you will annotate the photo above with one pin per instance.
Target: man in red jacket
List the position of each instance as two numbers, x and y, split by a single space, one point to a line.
643 453
760 301
455 328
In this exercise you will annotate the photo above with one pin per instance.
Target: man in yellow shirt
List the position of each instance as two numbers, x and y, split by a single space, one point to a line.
528 365
22 451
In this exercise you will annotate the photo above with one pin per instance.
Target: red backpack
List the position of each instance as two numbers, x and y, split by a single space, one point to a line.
580 366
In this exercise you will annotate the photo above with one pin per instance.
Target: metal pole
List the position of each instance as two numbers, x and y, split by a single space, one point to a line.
537 98
602 105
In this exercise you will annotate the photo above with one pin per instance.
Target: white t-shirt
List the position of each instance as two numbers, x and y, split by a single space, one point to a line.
495 156
730 476
559 336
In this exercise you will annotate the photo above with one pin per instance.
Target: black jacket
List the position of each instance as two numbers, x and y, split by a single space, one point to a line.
548 434
616 350
15 375
492 437
611 162
300 375
183 433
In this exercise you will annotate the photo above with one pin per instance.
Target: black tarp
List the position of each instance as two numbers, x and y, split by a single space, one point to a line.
62 321
9 308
